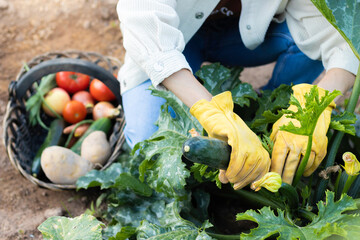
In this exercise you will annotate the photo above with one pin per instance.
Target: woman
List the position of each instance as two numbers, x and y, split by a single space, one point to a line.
167 40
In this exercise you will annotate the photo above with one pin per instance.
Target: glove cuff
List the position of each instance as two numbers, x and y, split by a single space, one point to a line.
222 102
198 106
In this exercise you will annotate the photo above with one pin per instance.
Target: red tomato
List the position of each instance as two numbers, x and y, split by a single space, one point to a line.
74 112
100 91
72 82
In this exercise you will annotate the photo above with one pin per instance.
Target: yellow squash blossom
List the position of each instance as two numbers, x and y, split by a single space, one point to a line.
271 181
352 165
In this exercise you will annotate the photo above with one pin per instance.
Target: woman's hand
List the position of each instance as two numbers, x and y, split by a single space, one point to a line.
249 161
289 148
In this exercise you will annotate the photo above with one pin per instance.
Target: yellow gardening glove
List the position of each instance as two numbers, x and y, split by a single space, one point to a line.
249 161
289 148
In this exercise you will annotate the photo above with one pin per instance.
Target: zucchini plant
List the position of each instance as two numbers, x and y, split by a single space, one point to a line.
156 193
345 17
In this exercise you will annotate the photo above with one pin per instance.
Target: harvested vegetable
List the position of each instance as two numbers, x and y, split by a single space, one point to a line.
74 111
209 151
105 109
102 124
79 130
63 166
33 104
55 100
96 148
84 97
54 137
72 82
100 91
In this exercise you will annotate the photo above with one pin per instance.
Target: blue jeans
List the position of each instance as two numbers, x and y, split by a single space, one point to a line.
220 41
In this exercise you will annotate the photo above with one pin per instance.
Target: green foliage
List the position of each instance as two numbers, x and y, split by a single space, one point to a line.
82 227
163 168
129 209
201 172
172 226
135 210
33 104
344 16
331 220
103 179
267 144
270 105
218 79
344 122
123 233
310 113
114 177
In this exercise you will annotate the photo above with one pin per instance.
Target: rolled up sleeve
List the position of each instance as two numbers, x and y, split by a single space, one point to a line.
151 37
317 38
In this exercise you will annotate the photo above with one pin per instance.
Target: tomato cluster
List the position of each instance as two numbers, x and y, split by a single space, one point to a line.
81 93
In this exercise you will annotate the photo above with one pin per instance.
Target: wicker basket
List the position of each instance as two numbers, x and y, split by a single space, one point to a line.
21 140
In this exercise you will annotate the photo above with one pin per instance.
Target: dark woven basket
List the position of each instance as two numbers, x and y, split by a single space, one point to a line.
21 140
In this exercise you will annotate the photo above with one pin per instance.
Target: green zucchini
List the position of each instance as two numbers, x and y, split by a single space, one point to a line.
289 194
209 151
102 124
54 137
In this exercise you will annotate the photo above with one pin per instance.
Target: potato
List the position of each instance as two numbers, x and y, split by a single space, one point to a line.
63 166
96 148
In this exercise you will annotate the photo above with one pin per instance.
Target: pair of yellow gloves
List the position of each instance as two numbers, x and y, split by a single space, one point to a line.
249 161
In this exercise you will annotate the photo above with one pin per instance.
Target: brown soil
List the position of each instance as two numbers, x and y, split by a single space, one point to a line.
32 28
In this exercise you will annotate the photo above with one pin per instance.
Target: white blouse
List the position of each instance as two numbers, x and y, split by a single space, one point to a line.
155 33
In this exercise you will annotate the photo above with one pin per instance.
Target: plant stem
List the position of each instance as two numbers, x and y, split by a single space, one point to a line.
250 197
223 237
304 161
339 135
355 94
337 181
307 214
253 197
348 183
40 121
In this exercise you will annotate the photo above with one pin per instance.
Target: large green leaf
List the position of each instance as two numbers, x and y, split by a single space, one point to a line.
127 181
344 15
172 227
344 122
124 233
129 209
63 228
310 113
242 93
213 76
218 79
331 220
163 168
270 103
105 179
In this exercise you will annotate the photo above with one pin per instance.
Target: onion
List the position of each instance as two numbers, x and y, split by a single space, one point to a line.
84 97
104 109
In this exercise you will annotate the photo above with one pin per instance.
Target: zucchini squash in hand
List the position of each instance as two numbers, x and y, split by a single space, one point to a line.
209 151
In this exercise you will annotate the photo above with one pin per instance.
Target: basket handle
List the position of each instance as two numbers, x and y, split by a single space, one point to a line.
67 64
